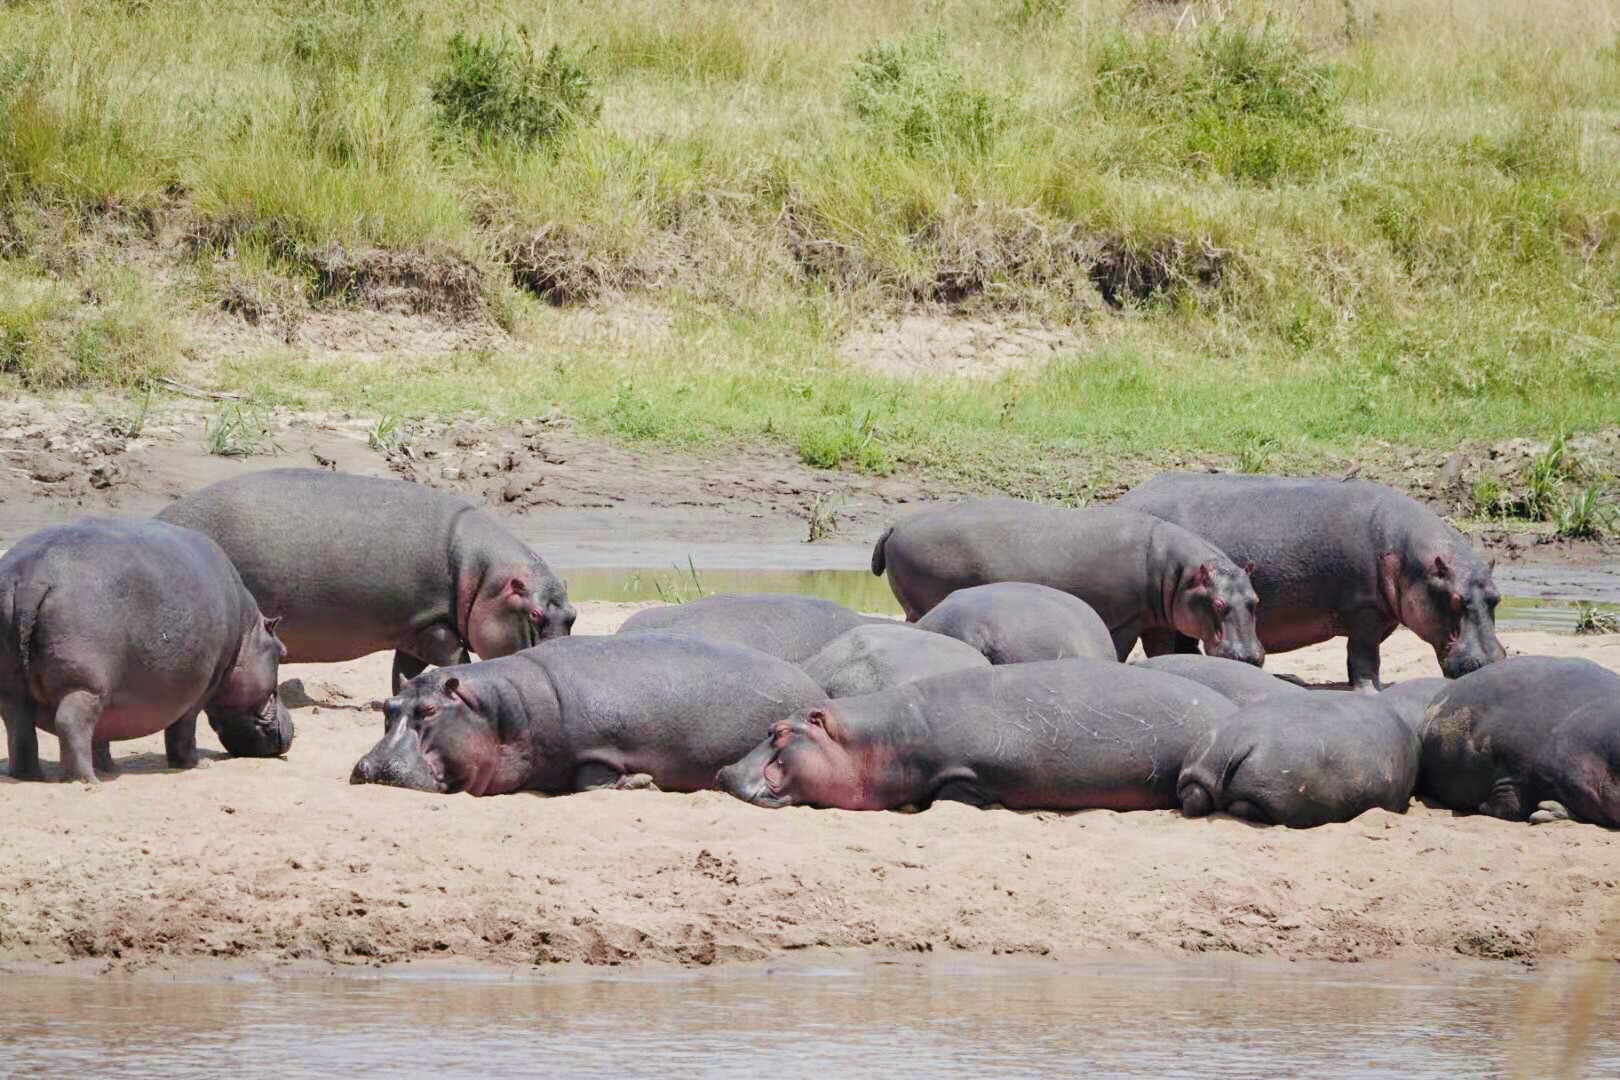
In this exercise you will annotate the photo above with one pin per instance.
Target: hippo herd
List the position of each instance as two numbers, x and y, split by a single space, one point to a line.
1007 685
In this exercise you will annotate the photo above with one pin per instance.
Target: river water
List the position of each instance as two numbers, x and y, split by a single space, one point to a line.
1196 1017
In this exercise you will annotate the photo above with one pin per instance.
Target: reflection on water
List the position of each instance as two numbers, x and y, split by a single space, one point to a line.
860 590
1195 1017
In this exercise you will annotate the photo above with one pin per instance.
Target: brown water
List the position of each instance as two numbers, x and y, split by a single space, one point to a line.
1536 599
1197 1017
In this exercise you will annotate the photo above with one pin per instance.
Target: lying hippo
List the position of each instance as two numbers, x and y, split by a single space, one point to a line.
1303 760
1339 558
1241 684
788 627
649 709
356 564
1143 576
878 657
117 629
1411 699
1531 737
1058 735
1015 622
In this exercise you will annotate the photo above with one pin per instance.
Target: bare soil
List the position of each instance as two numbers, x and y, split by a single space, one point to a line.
283 861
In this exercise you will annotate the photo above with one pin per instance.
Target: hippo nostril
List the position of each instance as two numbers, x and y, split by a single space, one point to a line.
364 772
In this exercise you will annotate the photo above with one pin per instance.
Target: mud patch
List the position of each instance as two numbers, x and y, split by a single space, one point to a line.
930 344
571 264
403 282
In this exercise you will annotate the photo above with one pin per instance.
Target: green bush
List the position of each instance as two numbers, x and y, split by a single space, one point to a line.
1250 104
493 91
916 94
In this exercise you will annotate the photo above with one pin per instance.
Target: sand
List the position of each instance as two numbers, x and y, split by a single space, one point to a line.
282 861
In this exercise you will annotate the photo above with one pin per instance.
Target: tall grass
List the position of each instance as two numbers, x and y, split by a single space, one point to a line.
1338 219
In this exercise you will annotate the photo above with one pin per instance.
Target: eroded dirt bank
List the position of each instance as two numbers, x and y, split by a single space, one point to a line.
283 861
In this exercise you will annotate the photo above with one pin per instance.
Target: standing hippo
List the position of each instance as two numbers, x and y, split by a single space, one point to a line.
1241 684
1339 558
1531 737
1016 622
788 627
117 629
1303 760
356 564
1058 735
1142 575
649 709
877 657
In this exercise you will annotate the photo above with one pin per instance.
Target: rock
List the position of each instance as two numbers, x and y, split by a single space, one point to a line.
49 469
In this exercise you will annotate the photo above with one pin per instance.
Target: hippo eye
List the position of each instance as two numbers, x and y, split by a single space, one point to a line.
1456 602
1220 608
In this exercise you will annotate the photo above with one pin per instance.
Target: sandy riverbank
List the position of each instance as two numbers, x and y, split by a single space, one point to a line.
276 861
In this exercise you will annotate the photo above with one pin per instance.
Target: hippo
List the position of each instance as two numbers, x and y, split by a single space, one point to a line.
877 657
1241 684
642 710
1532 738
116 628
1303 760
1141 575
788 627
1338 558
1411 699
1054 735
358 564
1016 622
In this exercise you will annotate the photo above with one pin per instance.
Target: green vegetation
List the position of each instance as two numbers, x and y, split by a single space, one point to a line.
1309 226
239 430
1590 619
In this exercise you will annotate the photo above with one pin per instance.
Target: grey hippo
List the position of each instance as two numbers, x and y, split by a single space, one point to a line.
1015 622
1057 735
880 656
1143 575
115 629
638 710
356 564
789 627
1339 558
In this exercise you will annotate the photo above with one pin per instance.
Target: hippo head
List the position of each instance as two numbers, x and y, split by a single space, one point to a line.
1216 604
246 713
438 736
805 762
515 610
1450 603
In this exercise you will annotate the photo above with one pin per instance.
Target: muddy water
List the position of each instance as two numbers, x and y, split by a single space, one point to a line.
1195 1018
1535 598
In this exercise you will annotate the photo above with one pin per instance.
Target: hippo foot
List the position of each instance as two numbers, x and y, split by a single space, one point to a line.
635 782
1549 811
102 757
25 772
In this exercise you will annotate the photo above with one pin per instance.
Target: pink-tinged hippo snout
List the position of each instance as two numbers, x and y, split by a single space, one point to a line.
399 758
265 732
1217 605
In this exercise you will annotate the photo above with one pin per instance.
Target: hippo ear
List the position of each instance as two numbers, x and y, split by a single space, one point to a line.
537 615
818 717
1441 569
453 688
271 624
1248 567
1203 575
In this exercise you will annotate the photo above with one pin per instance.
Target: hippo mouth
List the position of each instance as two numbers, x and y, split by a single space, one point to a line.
774 776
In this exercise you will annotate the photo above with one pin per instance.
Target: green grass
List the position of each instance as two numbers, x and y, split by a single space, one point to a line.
1285 230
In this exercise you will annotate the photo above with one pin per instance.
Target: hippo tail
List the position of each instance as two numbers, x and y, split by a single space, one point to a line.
879 561
20 614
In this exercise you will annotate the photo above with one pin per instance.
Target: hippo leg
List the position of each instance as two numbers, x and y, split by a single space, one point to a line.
436 644
1158 642
101 757
180 742
22 740
1125 639
635 782
963 791
76 718
596 776
1507 800
1366 631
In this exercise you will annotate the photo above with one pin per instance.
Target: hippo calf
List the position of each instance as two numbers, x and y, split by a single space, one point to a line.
665 710
877 657
1143 575
1241 684
1304 759
1016 622
1058 735
356 564
788 627
1338 558
116 629
1530 737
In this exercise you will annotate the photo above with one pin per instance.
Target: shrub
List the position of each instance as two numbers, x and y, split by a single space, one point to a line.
916 94
493 91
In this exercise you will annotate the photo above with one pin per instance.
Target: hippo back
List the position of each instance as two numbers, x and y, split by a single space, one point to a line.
1017 622
871 658
1243 684
788 627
